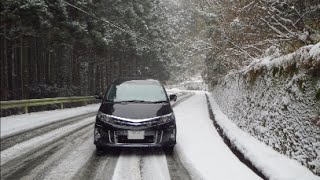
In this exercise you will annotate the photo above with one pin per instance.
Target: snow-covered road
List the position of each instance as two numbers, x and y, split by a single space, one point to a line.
200 147
59 145
67 151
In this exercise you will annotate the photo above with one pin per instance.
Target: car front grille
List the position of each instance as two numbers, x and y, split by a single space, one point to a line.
121 123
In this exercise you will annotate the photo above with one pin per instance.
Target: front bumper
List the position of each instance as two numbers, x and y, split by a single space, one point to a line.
107 135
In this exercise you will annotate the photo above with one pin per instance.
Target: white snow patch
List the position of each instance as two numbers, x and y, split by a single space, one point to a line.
274 60
315 51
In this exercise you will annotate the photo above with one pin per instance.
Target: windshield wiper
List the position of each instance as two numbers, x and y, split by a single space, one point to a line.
141 101
155 102
135 101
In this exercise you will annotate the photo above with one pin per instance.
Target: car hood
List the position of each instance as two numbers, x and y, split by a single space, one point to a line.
135 110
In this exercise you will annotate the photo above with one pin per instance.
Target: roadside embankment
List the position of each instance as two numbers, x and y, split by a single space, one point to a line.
277 100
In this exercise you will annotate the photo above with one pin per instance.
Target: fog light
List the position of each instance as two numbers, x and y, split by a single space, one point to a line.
96 134
173 134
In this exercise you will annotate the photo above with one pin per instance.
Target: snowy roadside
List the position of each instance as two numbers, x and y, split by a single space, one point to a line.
18 123
271 163
199 146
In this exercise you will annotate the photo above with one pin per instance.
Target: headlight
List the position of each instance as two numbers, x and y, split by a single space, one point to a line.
167 118
104 117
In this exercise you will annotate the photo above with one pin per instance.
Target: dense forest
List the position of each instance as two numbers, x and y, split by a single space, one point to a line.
55 48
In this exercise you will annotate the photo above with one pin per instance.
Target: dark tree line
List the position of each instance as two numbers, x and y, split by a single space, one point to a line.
52 48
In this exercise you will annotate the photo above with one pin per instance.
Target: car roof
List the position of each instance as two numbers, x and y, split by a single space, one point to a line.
135 80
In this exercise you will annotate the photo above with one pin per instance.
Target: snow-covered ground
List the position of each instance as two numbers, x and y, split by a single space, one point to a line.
271 163
141 165
199 146
73 162
194 83
17 123
35 143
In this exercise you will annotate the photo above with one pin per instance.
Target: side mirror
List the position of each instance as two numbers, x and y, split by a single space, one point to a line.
173 97
98 96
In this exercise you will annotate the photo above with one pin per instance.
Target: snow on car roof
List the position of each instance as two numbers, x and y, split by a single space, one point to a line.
136 80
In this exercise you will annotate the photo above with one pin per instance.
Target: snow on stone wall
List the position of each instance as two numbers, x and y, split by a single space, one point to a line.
277 100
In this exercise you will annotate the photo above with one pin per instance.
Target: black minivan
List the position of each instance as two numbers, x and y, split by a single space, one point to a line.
135 113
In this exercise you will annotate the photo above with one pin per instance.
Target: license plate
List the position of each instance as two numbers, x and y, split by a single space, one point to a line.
135 134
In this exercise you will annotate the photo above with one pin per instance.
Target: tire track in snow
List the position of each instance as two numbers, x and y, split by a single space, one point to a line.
69 166
73 158
154 166
184 96
19 154
15 138
35 165
176 169
128 166
138 164
100 166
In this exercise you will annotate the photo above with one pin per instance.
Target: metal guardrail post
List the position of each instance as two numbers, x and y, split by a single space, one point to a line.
25 104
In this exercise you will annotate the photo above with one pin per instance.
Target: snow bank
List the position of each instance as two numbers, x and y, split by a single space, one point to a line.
306 57
200 147
14 124
277 100
272 164
315 51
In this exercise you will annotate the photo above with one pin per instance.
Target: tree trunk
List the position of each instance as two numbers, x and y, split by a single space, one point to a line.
21 68
13 72
4 68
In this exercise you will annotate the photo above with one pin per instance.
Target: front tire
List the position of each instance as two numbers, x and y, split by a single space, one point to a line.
168 150
99 150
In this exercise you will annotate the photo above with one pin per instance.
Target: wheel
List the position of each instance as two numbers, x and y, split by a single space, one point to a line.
99 150
168 149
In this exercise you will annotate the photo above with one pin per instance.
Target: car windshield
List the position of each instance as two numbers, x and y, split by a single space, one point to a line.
136 92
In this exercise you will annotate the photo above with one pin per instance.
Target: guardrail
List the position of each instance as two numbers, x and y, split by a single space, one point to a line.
45 101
